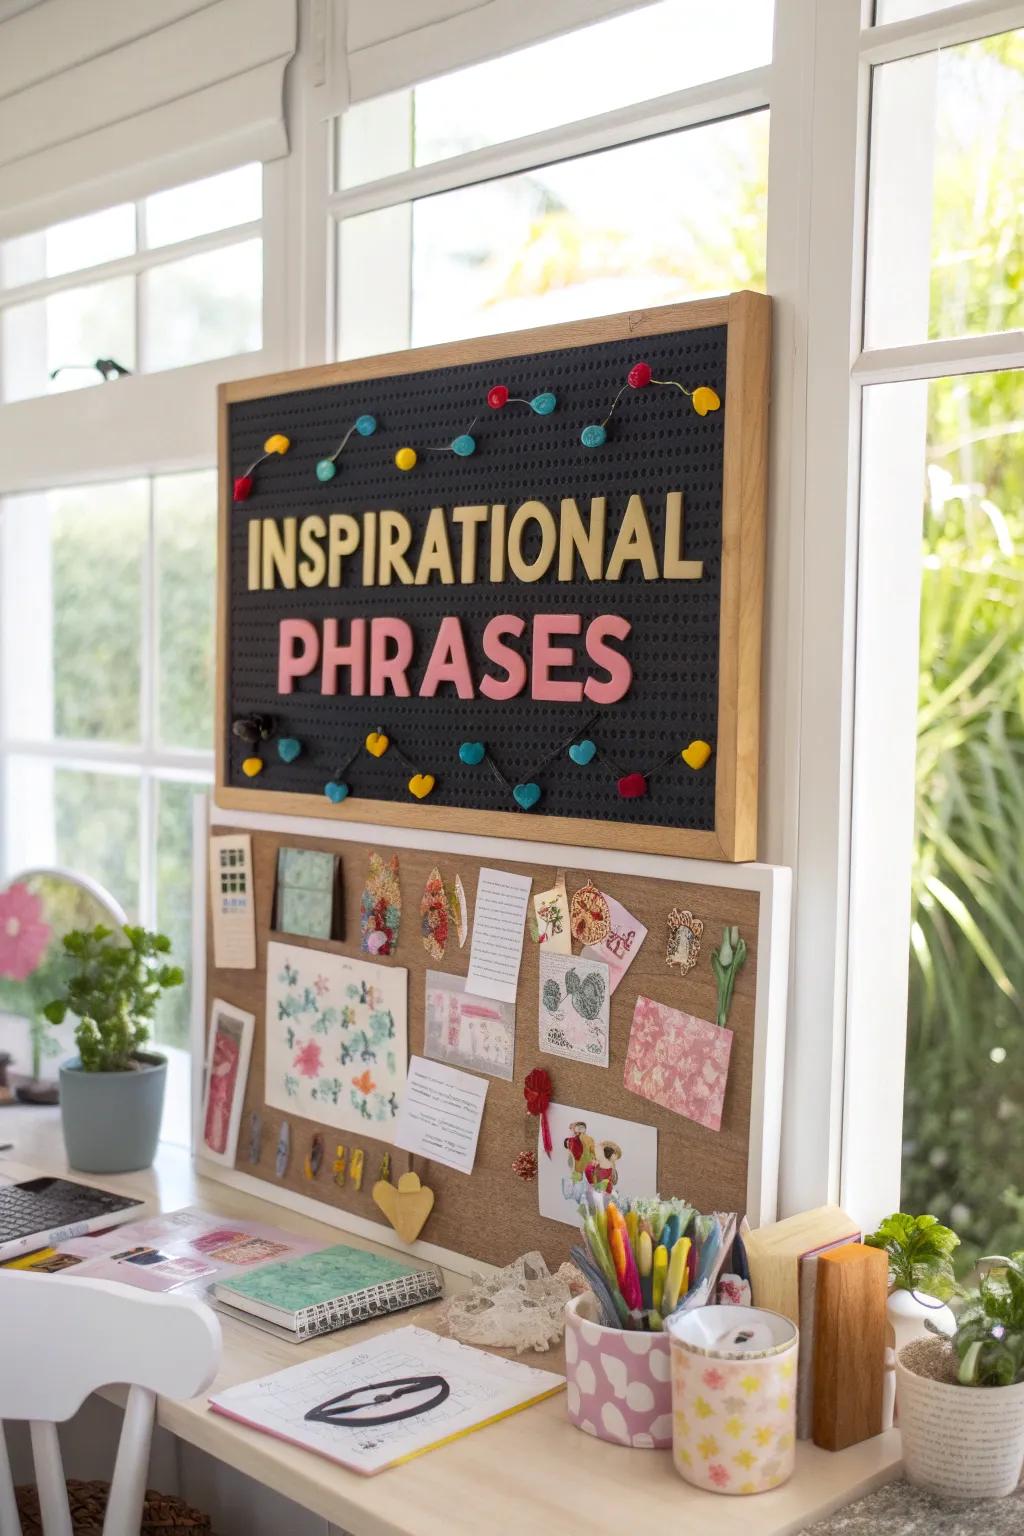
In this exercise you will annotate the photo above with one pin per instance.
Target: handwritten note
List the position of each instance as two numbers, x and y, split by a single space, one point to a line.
440 1114
498 926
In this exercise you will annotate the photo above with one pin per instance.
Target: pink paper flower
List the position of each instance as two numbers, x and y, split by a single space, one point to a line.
23 934
308 1059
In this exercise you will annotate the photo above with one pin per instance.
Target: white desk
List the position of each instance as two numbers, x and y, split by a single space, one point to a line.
533 1472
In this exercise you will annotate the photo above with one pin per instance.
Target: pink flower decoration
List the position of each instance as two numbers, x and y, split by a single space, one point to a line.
713 1379
718 1474
23 934
308 1059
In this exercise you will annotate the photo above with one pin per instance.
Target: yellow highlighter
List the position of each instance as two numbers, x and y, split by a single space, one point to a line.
658 1273
674 1278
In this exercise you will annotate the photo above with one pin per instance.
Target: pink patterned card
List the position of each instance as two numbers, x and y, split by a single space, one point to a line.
678 1061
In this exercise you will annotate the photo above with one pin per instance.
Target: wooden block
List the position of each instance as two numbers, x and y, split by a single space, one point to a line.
849 1345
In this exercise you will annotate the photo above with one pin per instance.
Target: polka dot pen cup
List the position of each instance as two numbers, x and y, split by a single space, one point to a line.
618 1385
733 1398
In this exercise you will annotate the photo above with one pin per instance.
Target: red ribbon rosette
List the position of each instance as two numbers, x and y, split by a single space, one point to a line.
537 1092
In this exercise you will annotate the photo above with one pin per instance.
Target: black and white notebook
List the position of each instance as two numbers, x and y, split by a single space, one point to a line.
320 1292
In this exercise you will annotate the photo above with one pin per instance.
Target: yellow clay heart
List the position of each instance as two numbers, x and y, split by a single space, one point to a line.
421 784
406 1207
277 443
377 743
252 766
704 400
696 754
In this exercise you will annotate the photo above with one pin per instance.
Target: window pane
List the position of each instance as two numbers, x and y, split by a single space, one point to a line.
174 901
69 330
946 222
68 247
204 306
964 1096
97 829
901 10
72 612
678 217
185 524
651 52
216 202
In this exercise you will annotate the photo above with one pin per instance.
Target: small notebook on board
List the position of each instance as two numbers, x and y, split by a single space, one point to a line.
331 1289
382 1402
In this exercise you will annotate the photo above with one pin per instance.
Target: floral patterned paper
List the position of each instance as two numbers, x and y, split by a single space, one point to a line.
336 1039
678 1061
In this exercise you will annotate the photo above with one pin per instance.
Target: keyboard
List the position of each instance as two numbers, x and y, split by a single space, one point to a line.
44 1206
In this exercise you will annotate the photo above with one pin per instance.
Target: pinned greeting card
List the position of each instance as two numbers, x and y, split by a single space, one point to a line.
551 909
678 1061
618 949
336 1046
573 1007
468 1031
596 1149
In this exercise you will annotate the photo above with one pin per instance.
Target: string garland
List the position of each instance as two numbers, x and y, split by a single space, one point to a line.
703 399
277 444
327 468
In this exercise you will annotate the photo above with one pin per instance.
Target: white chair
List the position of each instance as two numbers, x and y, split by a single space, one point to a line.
60 1340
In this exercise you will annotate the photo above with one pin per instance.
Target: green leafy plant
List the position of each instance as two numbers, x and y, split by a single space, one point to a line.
113 984
989 1337
920 1253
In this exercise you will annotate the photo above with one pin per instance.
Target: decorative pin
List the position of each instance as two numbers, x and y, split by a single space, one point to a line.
684 935
703 399
253 730
696 754
255 1137
326 469
406 458
357 1168
277 443
289 748
537 1093
726 960
284 1145
462 446
336 788
406 1207
541 405
314 1157
340 1163
589 916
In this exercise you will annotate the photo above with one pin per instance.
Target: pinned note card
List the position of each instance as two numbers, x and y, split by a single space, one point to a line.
498 926
231 903
440 1114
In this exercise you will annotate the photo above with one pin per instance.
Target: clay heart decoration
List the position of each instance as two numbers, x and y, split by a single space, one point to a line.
632 786
696 754
251 766
704 400
472 752
335 791
377 743
288 749
377 941
582 752
421 784
526 795
406 1207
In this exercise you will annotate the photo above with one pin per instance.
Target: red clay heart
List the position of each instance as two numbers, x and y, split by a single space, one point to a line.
243 487
632 786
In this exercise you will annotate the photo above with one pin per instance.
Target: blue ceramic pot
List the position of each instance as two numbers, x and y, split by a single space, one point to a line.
112 1119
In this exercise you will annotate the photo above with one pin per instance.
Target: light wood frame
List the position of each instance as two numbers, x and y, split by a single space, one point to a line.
748 356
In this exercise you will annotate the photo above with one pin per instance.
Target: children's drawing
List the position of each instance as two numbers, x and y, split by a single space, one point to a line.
468 1031
573 1009
596 1150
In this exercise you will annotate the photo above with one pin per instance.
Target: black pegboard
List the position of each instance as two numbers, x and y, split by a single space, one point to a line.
656 444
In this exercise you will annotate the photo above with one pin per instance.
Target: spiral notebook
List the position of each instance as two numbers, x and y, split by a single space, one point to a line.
322 1291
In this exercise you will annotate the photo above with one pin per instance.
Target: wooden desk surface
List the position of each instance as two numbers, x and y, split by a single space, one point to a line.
533 1471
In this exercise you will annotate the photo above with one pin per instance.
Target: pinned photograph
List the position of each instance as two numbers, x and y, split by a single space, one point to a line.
609 1154
228 1049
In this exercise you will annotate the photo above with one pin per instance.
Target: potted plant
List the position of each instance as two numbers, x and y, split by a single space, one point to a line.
112 1094
961 1400
921 1280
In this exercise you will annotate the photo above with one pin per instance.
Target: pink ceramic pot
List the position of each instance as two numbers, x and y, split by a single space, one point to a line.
618 1383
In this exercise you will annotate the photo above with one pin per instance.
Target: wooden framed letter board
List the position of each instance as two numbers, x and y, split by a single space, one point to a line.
523 599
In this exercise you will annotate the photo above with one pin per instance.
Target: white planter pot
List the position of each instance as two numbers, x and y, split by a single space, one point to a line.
908 1319
960 1442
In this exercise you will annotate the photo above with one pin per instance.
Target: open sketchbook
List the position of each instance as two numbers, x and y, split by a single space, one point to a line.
427 1390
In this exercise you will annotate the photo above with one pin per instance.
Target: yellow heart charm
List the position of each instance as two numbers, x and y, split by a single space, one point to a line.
704 400
421 784
406 1207
696 754
277 443
377 743
252 766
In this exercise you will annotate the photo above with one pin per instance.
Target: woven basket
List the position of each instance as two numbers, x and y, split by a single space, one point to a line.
162 1513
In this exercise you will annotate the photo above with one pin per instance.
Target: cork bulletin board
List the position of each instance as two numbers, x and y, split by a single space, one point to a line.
625 582
491 1215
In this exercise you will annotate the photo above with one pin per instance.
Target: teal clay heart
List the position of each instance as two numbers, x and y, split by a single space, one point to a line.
335 792
288 749
472 752
582 752
526 795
